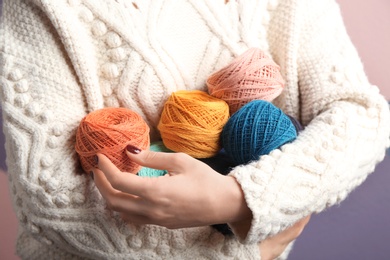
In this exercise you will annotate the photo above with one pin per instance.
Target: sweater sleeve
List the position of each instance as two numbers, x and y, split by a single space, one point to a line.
347 130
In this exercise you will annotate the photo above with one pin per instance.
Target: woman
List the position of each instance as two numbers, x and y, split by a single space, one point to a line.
63 59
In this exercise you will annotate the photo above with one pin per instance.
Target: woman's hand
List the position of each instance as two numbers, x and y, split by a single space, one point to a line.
273 247
191 194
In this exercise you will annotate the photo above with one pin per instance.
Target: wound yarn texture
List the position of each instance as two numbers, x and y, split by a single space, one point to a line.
251 76
109 131
256 129
192 121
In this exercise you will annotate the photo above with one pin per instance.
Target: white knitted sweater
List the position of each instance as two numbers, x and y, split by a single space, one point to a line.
60 59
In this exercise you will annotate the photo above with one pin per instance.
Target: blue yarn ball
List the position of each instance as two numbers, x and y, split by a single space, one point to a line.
150 172
256 129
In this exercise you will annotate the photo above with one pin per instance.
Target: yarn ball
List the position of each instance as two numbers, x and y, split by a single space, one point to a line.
109 131
192 121
150 172
256 129
251 76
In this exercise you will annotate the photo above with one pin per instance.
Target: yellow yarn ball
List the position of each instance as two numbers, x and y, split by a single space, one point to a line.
192 121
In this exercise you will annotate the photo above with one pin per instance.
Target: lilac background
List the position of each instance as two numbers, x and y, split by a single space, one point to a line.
357 229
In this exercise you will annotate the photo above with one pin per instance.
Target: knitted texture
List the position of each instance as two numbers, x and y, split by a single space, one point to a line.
115 54
256 129
192 122
109 131
252 75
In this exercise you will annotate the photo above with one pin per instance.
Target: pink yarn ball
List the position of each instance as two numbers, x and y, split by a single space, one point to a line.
251 76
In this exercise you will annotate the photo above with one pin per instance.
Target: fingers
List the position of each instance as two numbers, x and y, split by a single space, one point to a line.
274 246
116 200
122 181
294 231
103 185
301 224
172 162
304 221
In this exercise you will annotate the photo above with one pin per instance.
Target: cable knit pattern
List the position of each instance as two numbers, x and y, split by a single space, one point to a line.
61 59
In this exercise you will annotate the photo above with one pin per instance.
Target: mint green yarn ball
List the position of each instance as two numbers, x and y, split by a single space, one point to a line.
149 172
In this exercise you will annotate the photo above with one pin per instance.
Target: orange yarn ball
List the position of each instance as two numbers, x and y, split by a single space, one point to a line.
252 75
192 121
109 131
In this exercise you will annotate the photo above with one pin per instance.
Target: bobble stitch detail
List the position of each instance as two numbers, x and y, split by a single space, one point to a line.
52 142
58 130
134 242
15 75
52 185
33 109
113 40
117 54
21 101
99 28
46 116
46 161
110 71
21 86
61 200
86 15
44 176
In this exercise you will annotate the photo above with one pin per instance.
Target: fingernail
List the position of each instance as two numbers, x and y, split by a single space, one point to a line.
96 159
133 149
91 174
